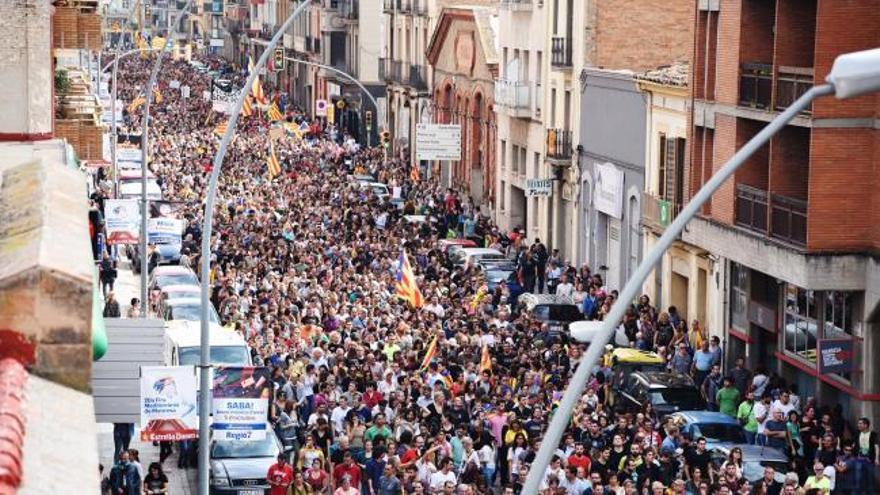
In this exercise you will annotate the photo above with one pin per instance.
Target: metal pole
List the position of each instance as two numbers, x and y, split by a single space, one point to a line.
205 262
144 139
630 291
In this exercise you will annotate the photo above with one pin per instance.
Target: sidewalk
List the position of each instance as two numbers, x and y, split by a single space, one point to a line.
180 481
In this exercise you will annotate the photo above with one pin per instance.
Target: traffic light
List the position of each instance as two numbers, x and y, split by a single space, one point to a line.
385 138
368 120
148 10
279 59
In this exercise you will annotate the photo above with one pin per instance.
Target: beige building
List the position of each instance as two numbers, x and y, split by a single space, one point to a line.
685 277
518 105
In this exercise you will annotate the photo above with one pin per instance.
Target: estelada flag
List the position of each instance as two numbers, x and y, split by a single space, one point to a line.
414 174
272 162
136 103
405 283
247 108
485 359
430 353
274 112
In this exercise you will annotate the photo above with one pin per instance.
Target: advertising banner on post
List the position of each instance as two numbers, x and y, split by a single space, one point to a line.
123 217
168 403
241 401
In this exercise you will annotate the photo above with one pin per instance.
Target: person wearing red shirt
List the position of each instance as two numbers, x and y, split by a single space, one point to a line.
579 458
280 476
348 467
372 396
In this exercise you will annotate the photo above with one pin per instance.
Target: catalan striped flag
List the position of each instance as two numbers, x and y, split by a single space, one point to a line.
414 174
405 283
485 359
272 162
256 88
247 109
430 353
220 130
136 103
157 95
274 112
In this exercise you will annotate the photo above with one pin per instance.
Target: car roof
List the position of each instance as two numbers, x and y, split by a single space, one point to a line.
186 333
479 250
181 288
665 379
457 242
184 301
705 417
754 452
163 270
628 355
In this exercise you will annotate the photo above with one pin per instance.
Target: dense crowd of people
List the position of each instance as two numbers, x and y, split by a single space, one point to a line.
304 265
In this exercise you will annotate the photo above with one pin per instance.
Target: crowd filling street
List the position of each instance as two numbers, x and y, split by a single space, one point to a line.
377 394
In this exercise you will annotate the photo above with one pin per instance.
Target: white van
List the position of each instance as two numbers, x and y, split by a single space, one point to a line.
183 340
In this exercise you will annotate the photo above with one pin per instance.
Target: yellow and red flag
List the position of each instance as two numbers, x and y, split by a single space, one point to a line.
136 103
272 162
247 109
430 353
405 283
485 359
157 96
220 130
274 112
256 88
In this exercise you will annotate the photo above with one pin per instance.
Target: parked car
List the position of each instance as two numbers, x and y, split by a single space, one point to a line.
558 314
586 331
625 361
239 467
449 246
172 275
497 273
717 428
187 308
468 257
755 458
666 392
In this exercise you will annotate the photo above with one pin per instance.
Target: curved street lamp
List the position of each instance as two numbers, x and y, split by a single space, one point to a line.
853 74
205 262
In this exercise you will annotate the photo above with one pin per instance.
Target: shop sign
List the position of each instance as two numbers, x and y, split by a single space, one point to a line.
835 356
539 187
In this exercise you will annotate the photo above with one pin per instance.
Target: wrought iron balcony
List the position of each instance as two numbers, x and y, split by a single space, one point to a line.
419 7
788 219
559 145
791 84
755 85
404 6
560 52
418 76
751 208
350 10
388 6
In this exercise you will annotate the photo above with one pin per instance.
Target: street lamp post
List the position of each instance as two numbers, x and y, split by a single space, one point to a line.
144 140
205 262
853 74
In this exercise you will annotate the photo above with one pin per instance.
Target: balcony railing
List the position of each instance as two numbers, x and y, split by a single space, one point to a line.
418 76
420 7
658 213
751 208
404 6
388 6
350 10
514 96
755 85
399 75
313 44
791 84
559 146
517 4
560 52
788 219
385 69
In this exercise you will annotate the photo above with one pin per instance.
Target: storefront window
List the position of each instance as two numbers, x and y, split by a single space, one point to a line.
839 314
801 328
739 296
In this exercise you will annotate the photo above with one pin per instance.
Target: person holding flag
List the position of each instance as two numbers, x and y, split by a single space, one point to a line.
257 87
405 283
272 163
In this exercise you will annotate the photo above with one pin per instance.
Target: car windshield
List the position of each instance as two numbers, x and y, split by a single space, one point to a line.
720 432
497 275
565 312
191 312
684 398
220 354
239 449
754 470
177 279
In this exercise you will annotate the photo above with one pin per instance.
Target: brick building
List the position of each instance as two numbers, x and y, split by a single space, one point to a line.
465 64
792 238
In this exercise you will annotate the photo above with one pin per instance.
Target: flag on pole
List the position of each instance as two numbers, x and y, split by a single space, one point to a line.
220 130
136 103
257 88
274 112
414 174
430 353
247 108
272 162
405 283
485 359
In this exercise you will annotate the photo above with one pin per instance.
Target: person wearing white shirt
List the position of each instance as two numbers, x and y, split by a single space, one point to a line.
761 410
445 474
337 416
784 404
565 290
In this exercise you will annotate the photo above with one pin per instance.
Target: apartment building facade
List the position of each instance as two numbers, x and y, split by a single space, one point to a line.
793 235
518 104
